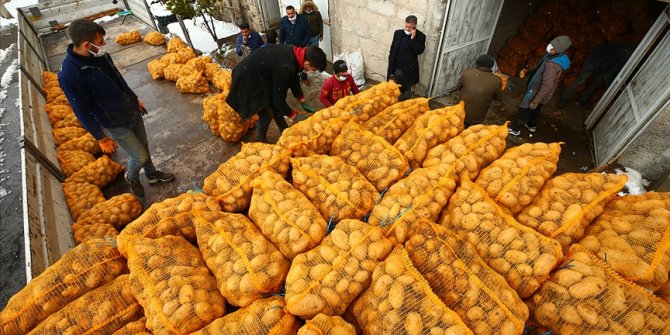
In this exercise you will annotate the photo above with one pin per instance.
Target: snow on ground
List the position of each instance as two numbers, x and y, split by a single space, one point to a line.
4 53
11 6
159 9
200 36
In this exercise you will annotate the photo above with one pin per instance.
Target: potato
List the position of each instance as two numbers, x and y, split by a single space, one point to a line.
62 135
117 211
83 233
99 173
58 111
395 119
154 38
265 316
156 68
327 325
72 161
134 328
370 102
80 197
316 134
223 120
128 37
85 143
194 82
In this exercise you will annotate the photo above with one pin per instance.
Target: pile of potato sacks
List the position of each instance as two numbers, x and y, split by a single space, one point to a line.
336 230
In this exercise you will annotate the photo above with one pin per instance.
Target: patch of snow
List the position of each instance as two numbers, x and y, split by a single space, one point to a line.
159 9
635 184
4 53
200 36
11 6
9 74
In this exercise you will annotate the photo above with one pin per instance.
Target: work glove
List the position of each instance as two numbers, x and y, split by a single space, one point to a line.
108 145
143 110
307 108
532 105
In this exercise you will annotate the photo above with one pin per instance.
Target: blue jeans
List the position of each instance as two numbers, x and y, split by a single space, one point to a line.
133 139
313 41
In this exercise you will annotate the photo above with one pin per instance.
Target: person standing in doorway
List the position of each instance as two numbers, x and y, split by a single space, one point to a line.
478 87
407 45
337 86
102 101
310 11
247 40
294 29
542 83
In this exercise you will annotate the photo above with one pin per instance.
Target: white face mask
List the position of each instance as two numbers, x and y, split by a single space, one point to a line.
292 19
308 10
341 78
549 47
407 32
102 51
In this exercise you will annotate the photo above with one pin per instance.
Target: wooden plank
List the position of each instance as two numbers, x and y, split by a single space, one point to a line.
611 131
63 12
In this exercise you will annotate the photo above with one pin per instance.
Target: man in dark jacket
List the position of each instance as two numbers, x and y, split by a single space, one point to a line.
542 84
294 29
248 39
310 11
101 99
406 47
261 81
478 87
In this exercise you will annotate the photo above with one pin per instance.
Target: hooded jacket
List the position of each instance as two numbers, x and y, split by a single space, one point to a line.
544 81
314 18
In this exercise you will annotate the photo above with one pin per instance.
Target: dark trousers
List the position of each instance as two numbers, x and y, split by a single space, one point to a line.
266 115
597 79
526 116
405 92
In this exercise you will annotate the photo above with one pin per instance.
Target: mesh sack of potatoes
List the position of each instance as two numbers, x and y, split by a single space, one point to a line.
422 194
83 233
210 112
56 96
80 270
463 281
138 327
393 121
72 161
664 292
57 112
117 211
128 37
194 65
632 235
430 129
400 301
101 311
211 70
285 216
247 267
515 178
99 173
70 120
368 103
587 297
80 197
171 72
49 77
316 134
86 143
231 182
350 318
379 161
154 38
175 44
520 254
171 58
156 68
62 135
194 82
472 150
327 325
329 277
338 190
264 316
231 127
170 280
568 203
172 216
222 80
184 55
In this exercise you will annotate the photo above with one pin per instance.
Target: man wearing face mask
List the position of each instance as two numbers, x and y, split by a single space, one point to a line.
310 11
248 40
294 29
337 86
406 47
542 83
101 99
261 81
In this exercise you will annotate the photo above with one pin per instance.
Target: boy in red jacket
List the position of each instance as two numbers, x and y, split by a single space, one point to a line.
339 85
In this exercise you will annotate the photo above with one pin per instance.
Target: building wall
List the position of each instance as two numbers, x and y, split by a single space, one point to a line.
649 153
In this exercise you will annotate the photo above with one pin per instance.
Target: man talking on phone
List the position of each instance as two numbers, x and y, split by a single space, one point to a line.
407 45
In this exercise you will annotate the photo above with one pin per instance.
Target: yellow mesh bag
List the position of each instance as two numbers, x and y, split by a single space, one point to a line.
316 134
222 80
399 301
285 216
99 173
422 194
138 327
472 150
85 143
170 280
380 162
516 177
80 270
246 265
327 325
337 189
194 82
171 58
664 292
69 120
117 211
62 135
231 182
49 77
83 233
172 216
520 254
633 236
171 72
156 68
370 102
265 316
128 37
80 197
72 161
350 318
586 297
101 311
393 121
175 44
57 112
56 97
210 112
231 127
463 281
329 277
154 38
193 65
430 129
211 70
568 203
184 55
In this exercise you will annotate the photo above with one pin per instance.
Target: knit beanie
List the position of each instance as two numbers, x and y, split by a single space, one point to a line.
561 43
339 66
485 61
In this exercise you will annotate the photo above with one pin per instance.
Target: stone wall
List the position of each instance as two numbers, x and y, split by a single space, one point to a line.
243 11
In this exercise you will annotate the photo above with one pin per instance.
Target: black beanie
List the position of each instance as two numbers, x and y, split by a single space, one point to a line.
486 61
339 66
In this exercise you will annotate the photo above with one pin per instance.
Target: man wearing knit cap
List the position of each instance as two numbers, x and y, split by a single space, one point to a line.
542 84
478 87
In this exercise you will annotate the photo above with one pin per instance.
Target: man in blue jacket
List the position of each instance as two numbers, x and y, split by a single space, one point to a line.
248 39
294 29
102 100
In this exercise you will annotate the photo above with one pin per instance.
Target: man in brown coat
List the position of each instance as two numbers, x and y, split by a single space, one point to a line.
478 87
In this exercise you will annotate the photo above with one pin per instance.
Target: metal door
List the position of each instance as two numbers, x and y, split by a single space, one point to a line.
271 13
